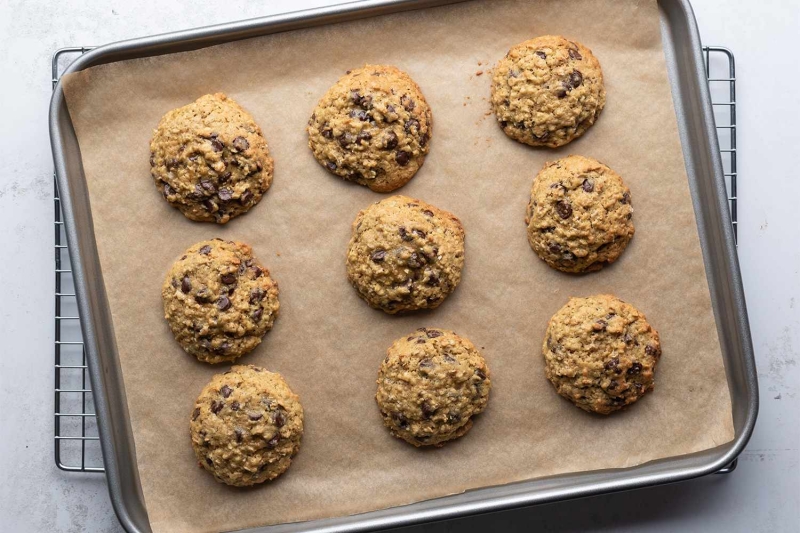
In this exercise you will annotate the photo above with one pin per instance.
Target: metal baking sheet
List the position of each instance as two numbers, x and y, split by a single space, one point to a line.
704 168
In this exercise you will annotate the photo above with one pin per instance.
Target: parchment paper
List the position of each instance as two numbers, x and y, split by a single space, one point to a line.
327 342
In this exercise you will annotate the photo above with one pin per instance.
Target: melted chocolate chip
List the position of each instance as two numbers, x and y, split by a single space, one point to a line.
588 185
223 303
575 79
217 406
541 54
635 368
564 209
279 418
433 333
229 278
186 285
254 415
225 391
224 194
245 198
411 124
574 54
241 144
257 314
217 145
402 157
205 250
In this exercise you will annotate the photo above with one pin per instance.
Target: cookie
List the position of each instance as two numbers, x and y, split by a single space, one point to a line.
210 160
405 254
579 215
219 301
547 91
246 426
600 353
372 127
430 386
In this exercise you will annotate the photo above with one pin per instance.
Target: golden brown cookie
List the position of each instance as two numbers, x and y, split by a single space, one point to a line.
210 160
219 300
579 215
246 426
430 386
405 254
600 353
547 91
372 127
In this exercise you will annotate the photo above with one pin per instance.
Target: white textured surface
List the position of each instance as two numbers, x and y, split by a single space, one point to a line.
762 495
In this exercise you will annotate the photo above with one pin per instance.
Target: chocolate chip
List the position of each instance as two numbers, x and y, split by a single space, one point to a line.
168 191
425 363
228 278
513 74
411 123
404 234
402 158
279 418
612 364
256 295
225 391
541 54
427 410
274 441
561 93
427 212
203 296
171 163
257 271
235 406
196 413
628 339
224 195
223 303
480 373
254 415
600 325
576 79
208 186
421 341
210 206
152 160
433 280
222 349
355 96
327 133
391 141
217 145
588 185
364 136
360 114
245 198
257 314
400 419
564 209
453 417
241 144
225 176
651 350
613 384
626 198
574 54
554 248
503 124
209 462
415 260
408 103
433 333
378 256
635 368
217 406
346 139
186 285
239 434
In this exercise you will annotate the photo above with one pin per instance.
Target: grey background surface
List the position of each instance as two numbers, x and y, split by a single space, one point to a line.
762 495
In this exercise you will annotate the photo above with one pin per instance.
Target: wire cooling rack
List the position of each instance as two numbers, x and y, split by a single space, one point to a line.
77 446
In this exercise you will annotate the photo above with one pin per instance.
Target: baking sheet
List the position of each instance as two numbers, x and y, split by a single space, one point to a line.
328 343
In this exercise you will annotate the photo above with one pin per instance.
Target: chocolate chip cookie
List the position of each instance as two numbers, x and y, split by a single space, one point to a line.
547 91
579 215
600 353
219 300
246 426
405 254
210 160
372 127
430 386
